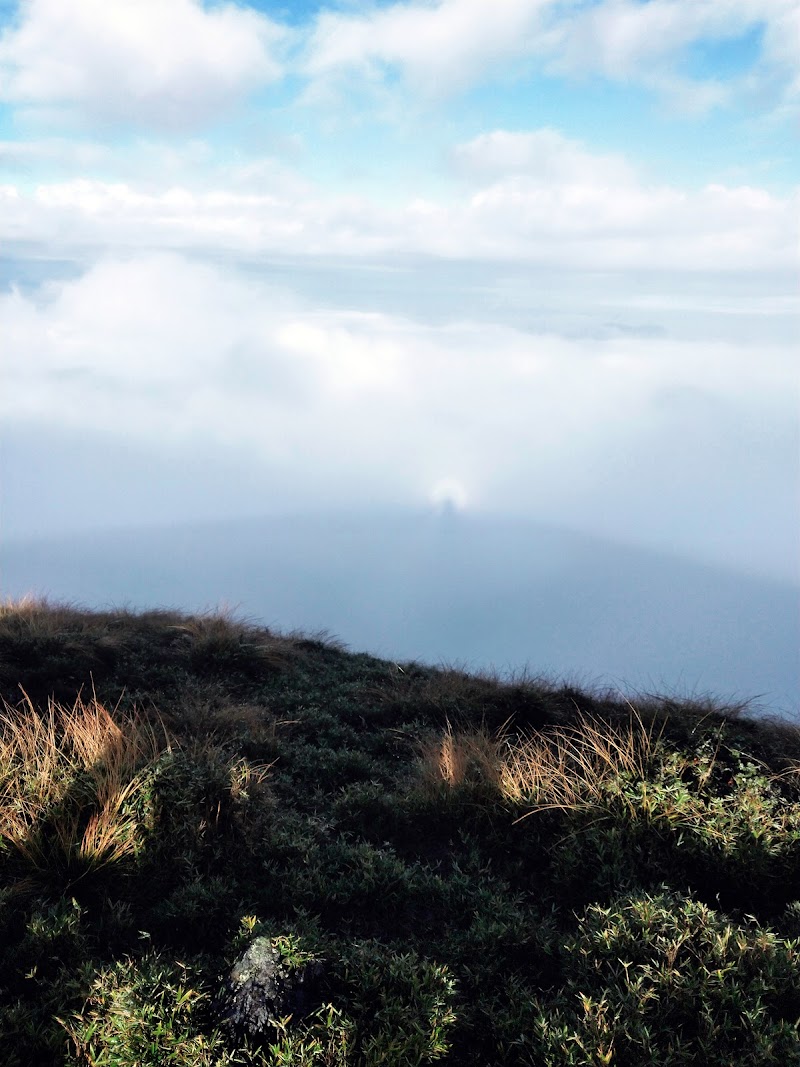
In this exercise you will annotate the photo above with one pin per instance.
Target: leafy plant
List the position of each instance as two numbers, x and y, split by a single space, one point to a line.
144 1012
662 979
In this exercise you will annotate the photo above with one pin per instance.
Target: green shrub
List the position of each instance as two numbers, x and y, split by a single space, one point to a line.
148 1012
43 964
661 979
402 1005
383 1007
713 820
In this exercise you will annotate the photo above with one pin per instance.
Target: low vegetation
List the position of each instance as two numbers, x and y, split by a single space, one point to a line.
485 871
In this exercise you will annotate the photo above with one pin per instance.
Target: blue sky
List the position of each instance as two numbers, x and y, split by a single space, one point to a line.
536 258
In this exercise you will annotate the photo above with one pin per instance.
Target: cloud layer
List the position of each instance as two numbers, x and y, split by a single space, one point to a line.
537 257
534 196
616 434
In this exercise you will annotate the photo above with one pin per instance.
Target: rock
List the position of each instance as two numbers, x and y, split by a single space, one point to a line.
263 989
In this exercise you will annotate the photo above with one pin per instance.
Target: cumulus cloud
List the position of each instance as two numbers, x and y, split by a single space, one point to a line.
656 440
627 41
176 64
167 64
622 39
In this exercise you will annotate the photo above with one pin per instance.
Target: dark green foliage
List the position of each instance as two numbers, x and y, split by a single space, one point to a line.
56 651
637 912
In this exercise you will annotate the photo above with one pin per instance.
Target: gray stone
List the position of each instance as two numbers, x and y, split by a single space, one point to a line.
263 989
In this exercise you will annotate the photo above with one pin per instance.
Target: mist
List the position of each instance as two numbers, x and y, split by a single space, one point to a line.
448 588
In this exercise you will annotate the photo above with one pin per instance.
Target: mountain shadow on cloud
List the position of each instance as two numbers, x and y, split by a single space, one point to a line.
452 588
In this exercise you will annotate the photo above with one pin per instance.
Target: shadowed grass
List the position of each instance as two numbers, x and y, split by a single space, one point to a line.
470 754
60 649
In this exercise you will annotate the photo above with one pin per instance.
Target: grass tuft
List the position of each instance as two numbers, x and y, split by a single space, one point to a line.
457 758
572 767
70 783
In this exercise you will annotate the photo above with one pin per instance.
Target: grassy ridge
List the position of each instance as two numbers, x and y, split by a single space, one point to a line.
490 872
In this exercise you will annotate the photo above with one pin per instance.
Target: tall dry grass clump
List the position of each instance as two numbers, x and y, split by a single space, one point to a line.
468 755
71 785
564 767
569 767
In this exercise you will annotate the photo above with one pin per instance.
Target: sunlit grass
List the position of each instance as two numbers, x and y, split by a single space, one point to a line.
68 780
572 767
459 756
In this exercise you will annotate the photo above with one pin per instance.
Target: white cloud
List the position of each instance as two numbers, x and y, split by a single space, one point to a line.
534 197
657 440
439 46
782 54
447 45
623 39
175 64
646 43
167 64
61 153
167 334
544 155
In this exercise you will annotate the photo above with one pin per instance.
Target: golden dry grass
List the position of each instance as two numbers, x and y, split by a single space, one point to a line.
563 767
569 767
67 780
467 754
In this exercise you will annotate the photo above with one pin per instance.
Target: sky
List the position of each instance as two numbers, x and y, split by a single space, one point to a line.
534 259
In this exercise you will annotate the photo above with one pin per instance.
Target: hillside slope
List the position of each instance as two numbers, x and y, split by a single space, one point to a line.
472 871
483 590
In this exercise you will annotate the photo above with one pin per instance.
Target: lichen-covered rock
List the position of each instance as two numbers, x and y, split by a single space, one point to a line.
264 988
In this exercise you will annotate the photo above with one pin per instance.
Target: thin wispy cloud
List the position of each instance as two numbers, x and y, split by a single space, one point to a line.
448 46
